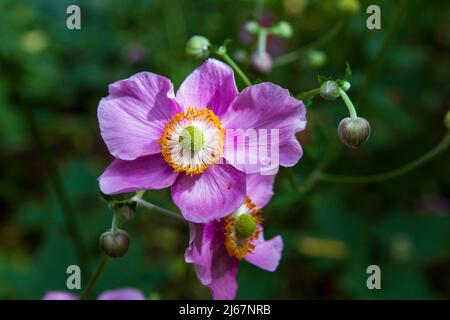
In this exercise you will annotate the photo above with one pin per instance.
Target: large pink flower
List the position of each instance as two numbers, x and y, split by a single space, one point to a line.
185 141
215 248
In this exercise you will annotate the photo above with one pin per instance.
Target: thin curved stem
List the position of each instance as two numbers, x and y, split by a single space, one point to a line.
441 147
348 103
93 280
158 209
373 68
295 55
308 94
235 67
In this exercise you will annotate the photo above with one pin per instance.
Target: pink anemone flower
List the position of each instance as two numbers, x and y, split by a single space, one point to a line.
148 129
117 294
216 248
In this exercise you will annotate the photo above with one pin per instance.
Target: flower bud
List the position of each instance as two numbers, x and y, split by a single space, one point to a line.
316 58
349 6
345 85
261 64
197 47
329 90
245 225
447 120
252 27
282 29
354 132
115 245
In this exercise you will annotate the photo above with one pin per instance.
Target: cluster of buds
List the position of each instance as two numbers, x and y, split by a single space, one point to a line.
115 242
353 131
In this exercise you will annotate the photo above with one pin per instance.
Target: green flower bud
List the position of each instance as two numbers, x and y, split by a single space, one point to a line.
329 90
261 64
192 138
197 47
354 132
252 27
245 225
447 120
115 245
316 58
349 6
345 85
282 29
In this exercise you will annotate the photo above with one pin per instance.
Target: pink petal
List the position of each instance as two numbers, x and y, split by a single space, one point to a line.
60 295
149 172
210 195
267 254
133 115
211 85
214 267
264 106
122 294
260 188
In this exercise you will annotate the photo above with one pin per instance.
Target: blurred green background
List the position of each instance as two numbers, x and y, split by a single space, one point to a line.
51 80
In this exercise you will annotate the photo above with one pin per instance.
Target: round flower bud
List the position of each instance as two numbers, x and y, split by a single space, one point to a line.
349 6
345 85
354 132
115 245
197 47
316 58
282 29
261 64
252 27
245 225
329 90
447 120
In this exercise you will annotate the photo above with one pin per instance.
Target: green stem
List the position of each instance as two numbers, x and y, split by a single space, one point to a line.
262 41
93 280
114 223
295 55
373 68
441 147
158 209
349 104
308 94
235 67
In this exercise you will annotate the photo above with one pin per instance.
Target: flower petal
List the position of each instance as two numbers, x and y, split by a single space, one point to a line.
210 195
260 188
60 295
211 85
267 254
214 267
149 172
122 294
133 115
264 106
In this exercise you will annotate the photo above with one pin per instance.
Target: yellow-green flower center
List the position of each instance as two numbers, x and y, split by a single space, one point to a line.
245 225
192 138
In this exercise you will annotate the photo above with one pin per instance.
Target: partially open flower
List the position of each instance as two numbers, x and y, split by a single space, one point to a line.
215 248
116 244
354 132
197 47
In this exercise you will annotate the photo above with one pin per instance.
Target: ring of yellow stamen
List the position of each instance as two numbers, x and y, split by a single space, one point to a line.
238 245
192 141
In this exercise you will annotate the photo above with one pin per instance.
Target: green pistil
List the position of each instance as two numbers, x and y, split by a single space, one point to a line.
245 225
192 138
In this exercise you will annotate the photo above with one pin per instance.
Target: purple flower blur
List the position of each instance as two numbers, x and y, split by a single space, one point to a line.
117 294
145 125
215 248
